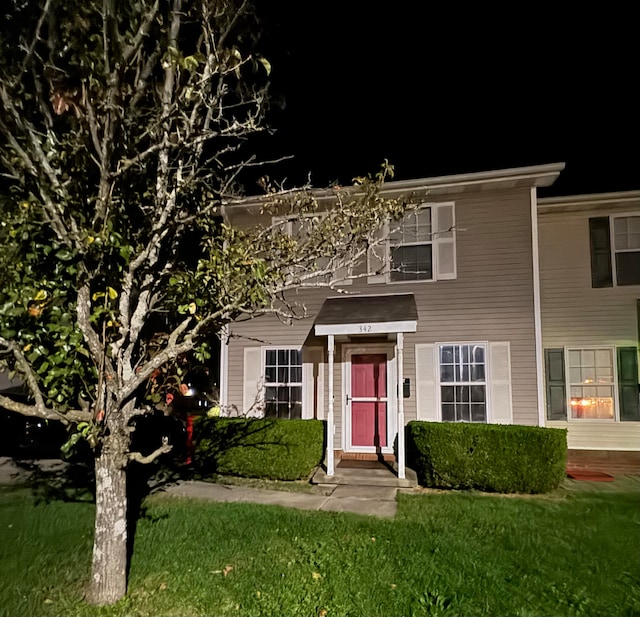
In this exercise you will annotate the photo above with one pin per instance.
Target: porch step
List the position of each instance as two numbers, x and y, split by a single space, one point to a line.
365 477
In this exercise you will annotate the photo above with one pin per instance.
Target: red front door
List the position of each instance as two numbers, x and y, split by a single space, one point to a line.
369 400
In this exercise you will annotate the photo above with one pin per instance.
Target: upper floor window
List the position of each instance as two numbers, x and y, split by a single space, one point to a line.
626 247
327 264
421 247
615 250
411 247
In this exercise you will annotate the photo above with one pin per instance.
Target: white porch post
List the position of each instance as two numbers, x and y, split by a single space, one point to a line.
330 424
400 363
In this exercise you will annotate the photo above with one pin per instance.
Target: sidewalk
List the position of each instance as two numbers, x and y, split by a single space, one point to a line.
367 500
377 501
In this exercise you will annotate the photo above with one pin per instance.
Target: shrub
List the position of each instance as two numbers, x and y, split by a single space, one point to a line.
257 447
489 457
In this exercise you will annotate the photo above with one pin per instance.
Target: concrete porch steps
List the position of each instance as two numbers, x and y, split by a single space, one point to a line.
352 476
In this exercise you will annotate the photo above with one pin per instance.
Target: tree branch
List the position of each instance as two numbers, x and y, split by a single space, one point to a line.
145 460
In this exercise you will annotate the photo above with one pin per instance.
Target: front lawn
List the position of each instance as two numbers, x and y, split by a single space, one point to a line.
574 552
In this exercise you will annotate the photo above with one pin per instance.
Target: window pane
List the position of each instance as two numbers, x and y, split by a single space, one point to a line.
462 393
464 413
271 357
627 232
628 268
270 374
283 374
477 372
446 372
446 393
295 374
295 395
411 263
283 356
477 394
295 357
448 413
271 394
478 413
446 353
588 357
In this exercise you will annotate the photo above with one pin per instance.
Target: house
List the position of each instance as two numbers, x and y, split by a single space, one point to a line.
452 326
590 305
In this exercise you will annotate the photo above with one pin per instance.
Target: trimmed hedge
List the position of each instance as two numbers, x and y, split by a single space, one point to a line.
488 457
258 447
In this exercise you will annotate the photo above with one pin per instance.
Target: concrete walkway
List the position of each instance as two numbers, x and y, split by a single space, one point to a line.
365 499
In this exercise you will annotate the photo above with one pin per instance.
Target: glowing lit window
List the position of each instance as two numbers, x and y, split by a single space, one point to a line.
591 383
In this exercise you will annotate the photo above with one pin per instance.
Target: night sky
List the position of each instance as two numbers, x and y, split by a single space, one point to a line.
447 91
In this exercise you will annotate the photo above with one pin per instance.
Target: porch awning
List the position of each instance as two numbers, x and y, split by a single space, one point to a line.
382 314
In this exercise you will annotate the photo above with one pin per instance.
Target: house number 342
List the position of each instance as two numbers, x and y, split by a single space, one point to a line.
365 328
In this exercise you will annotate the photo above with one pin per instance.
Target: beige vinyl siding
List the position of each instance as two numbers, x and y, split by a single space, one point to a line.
490 300
621 436
576 315
492 297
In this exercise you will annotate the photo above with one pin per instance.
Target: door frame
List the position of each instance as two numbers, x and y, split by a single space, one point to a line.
349 350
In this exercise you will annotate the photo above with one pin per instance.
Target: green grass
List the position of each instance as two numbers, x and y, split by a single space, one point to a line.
574 552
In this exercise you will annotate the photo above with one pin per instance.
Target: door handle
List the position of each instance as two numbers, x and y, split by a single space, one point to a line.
348 398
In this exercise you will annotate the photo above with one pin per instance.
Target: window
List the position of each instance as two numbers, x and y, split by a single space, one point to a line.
597 383
615 250
626 247
301 227
463 385
591 383
411 247
421 246
283 383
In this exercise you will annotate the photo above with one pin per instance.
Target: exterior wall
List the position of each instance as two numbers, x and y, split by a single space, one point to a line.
490 300
576 315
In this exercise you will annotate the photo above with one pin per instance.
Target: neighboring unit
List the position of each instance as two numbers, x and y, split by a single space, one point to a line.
448 329
590 287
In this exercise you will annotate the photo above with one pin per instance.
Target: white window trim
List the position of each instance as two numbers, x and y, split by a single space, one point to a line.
614 385
612 243
487 374
266 384
387 244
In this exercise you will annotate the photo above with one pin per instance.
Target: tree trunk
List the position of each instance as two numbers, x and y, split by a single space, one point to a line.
109 568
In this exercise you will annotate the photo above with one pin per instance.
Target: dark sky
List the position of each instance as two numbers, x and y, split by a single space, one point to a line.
446 91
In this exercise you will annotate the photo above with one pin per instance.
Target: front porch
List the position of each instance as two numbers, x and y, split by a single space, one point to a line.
365 358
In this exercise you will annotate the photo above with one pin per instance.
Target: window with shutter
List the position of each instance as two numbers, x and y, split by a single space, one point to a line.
422 247
615 250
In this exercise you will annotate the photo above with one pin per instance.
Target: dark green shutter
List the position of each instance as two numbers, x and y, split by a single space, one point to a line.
628 392
600 242
556 389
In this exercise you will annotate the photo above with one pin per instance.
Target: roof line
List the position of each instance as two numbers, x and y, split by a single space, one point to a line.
589 199
540 175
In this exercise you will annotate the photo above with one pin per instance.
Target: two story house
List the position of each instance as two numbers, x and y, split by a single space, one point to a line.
448 329
589 247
